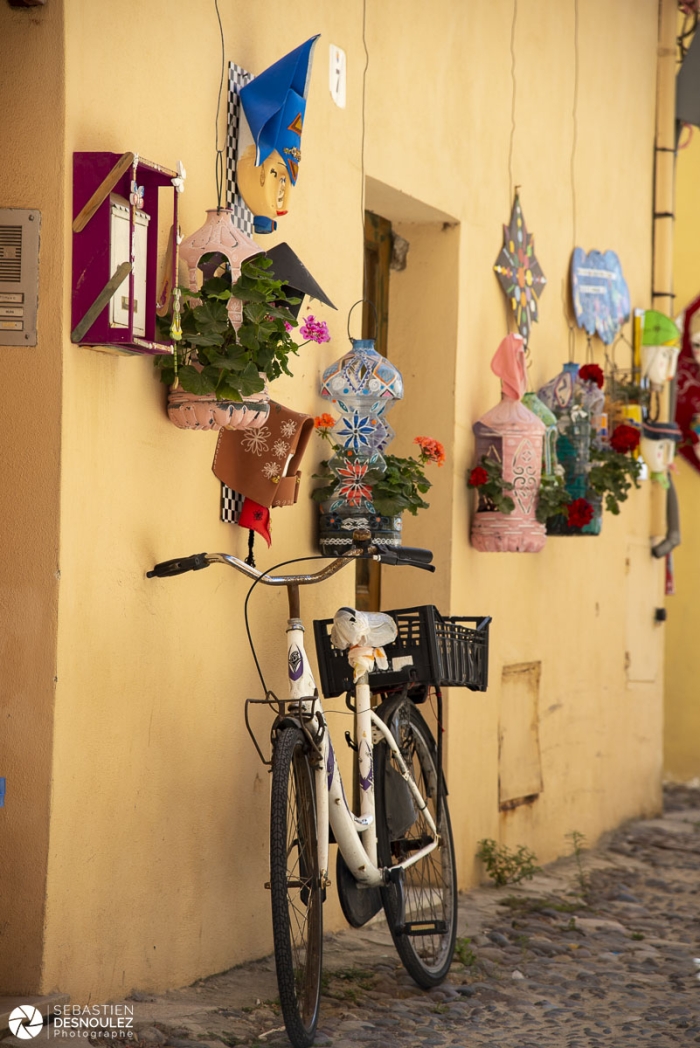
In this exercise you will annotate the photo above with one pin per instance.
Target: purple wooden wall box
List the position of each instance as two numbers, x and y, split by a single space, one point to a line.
98 176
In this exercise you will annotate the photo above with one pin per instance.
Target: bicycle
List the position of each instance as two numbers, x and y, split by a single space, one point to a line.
398 852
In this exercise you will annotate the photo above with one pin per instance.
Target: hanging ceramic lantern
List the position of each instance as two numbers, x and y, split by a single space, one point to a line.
573 404
513 437
363 385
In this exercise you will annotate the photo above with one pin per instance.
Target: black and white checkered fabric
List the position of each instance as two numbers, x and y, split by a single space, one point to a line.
231 505
232 501
242 215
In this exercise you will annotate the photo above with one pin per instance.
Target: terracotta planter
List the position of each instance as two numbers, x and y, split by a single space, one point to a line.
190 411
336 528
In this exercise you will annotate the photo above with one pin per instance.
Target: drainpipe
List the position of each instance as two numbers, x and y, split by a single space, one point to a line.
664 160
662 297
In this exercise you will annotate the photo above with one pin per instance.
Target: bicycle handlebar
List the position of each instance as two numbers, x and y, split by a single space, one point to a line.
407 555
179 566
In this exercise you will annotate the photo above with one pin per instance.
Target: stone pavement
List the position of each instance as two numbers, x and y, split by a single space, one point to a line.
593 955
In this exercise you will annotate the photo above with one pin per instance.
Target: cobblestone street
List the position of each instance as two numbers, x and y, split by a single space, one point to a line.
602 954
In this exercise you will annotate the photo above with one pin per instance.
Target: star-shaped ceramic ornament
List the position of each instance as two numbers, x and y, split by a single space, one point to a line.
519 272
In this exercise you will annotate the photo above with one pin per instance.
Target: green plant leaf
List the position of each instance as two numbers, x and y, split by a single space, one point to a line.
250 381
194 381
211 317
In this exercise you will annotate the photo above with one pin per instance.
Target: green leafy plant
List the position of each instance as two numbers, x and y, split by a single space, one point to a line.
577 842
552 498
353 981
611 475
396 486
505 866
493 490
464 953
211 357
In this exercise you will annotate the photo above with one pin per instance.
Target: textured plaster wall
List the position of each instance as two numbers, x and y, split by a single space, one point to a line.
159 820
159 807
30 437
567 607
682 711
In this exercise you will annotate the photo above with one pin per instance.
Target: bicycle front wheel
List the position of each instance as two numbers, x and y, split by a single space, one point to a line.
425 942
295 883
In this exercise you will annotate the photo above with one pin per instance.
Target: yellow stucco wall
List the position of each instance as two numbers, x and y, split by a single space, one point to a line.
30 442
158 840
682 709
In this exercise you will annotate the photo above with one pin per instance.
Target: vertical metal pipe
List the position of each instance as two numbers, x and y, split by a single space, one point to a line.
664 159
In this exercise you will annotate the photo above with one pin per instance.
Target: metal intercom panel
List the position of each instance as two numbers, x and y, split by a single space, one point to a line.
19 275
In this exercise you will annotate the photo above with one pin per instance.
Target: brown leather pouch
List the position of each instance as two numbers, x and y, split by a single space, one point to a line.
263 464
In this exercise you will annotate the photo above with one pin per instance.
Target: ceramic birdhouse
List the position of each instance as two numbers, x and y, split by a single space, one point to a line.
511 436
221 238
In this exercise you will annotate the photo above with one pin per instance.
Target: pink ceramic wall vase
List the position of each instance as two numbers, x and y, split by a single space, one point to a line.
513 436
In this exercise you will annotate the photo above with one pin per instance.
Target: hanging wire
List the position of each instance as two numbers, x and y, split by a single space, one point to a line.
219 169
512 104
369 302
511 188
362 147
275 567
572 175
574 117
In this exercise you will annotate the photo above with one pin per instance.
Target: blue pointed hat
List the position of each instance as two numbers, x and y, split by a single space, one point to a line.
274 104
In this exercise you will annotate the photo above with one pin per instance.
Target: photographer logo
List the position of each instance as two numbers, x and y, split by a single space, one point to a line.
26 1021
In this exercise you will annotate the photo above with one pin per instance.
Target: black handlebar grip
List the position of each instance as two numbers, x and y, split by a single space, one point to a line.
178 566
412 556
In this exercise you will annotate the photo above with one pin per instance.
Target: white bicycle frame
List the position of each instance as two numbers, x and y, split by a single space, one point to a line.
356 836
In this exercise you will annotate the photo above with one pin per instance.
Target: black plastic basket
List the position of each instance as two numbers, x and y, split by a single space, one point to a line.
428 649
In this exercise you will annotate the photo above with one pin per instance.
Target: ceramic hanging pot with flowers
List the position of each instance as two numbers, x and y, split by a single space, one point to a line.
600 469
232 337
509 442
372 497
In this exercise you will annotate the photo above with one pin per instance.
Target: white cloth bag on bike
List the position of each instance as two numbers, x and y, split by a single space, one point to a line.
364 633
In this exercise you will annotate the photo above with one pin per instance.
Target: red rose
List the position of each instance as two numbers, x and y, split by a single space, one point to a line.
624 438
477 477
592 373
580 513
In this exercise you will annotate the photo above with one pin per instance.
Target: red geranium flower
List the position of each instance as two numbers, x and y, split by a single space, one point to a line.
624 438
477 477
592 373
580 512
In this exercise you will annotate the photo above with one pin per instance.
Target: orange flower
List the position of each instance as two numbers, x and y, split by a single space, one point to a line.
324 421
431 450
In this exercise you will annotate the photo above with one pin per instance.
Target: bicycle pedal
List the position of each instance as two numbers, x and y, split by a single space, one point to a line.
422 928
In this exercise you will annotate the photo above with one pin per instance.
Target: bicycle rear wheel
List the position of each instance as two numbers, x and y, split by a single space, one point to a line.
297 917
425 943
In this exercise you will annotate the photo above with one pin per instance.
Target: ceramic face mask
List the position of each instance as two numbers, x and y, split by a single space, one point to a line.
265 187
273 109
659 363
655 453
